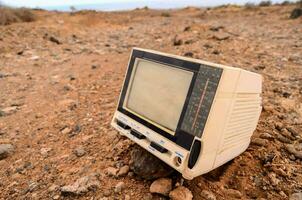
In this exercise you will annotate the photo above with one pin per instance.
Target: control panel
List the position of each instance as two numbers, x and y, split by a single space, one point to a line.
201 100
141 136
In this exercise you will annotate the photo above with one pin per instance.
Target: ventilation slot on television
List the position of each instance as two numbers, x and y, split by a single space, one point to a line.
242 119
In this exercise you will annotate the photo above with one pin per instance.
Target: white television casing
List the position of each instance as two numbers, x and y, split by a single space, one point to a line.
230 123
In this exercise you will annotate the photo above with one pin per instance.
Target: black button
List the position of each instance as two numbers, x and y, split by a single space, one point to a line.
122 125
195 151
158 147
137 134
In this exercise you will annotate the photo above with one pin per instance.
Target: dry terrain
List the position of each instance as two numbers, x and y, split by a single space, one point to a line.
60 78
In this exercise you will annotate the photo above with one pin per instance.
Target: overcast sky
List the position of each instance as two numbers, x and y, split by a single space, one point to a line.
52 3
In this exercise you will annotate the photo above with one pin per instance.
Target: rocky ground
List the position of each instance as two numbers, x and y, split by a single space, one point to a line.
60 78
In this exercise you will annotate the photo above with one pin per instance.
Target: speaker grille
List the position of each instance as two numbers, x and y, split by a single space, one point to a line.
243 119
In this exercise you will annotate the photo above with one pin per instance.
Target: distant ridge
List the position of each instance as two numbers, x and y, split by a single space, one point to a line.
120 6
155 4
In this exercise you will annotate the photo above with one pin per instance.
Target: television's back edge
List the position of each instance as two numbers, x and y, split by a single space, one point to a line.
218 115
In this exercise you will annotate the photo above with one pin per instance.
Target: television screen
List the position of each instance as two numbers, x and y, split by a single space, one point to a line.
157 93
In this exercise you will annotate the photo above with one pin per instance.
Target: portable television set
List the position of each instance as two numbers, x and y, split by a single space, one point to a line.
193 115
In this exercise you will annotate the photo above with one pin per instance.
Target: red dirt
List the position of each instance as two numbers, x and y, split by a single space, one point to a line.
76 83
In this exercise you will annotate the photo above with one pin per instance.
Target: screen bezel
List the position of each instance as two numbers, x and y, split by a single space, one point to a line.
135 66
182 138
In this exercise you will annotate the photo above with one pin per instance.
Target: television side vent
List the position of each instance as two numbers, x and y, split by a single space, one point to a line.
243 119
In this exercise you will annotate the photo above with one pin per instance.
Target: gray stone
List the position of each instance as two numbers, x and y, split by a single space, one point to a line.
216 28
123 171
293 131
53 188
181 193
106 193
127 197
177 41
32 186
8 110
266 136
232 193
273 179
294 150
5 150
207 195
80 151
221 36
161 186
148 196
82 185
283 195
296 196
259 142
111 171
120 186
44 151
283 139
278 126
147 166
66 130
189 54
54 40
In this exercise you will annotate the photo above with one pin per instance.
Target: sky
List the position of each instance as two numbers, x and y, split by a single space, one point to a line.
120 4
50 3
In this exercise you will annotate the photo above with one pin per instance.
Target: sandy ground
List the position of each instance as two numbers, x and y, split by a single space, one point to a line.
60 79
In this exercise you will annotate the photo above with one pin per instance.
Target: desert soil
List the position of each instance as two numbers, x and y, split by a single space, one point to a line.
60 78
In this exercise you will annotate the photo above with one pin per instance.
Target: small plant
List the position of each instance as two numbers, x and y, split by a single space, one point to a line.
250 5
221 6
165 14
265 3
11 15
24 14
284 3
73 9
296 13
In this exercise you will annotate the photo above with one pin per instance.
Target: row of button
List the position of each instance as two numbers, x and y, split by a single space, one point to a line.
141 136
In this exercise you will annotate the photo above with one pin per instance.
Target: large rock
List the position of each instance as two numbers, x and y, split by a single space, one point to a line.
147 166
259 142
181 193
5 150
161 186
296 196
296 150
82 185
123 171
8 110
